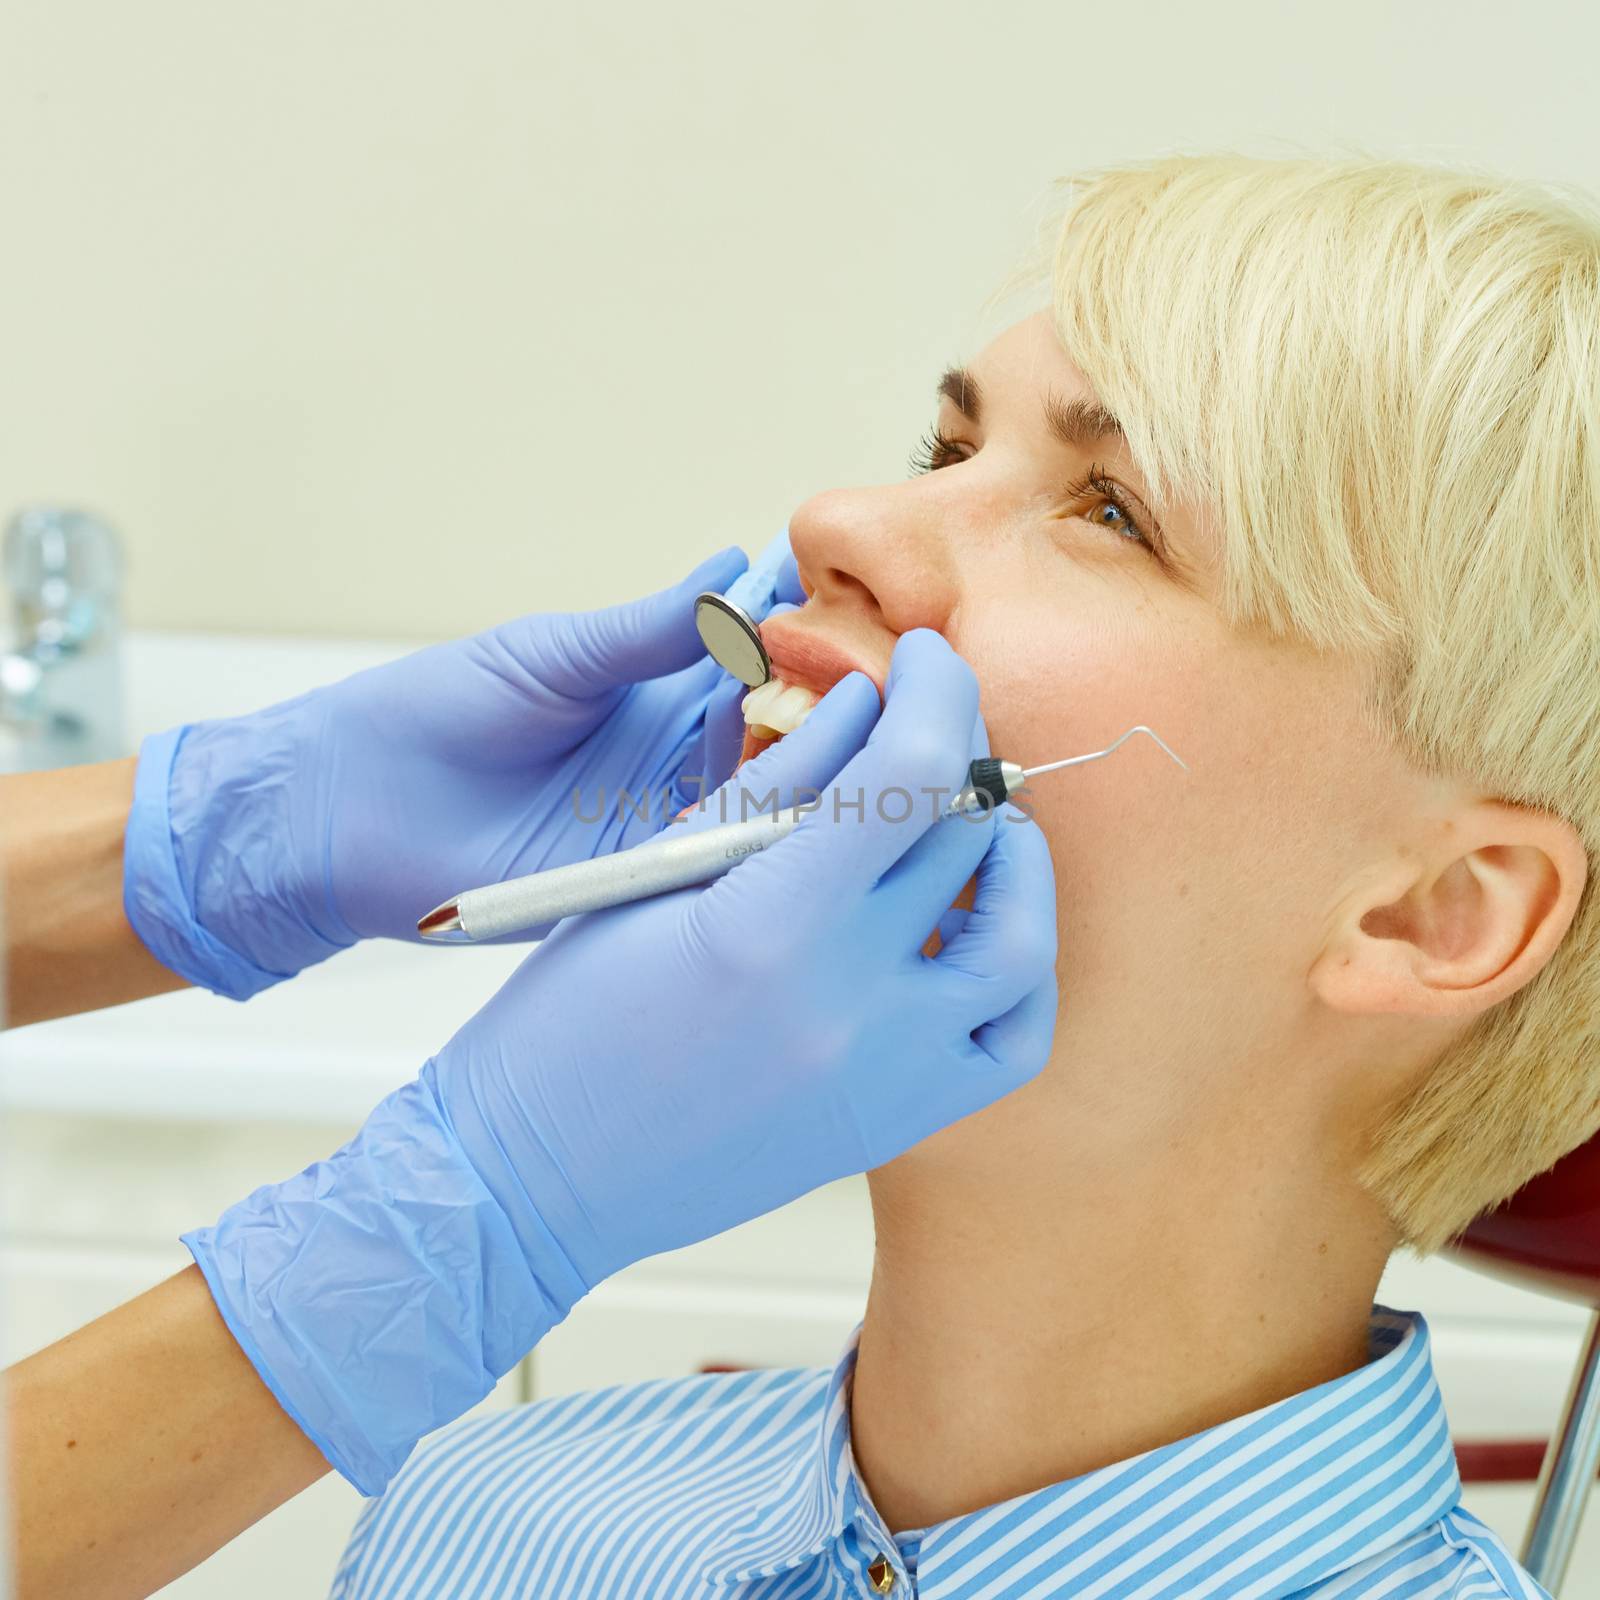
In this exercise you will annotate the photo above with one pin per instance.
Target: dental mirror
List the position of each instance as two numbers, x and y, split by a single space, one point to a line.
731 638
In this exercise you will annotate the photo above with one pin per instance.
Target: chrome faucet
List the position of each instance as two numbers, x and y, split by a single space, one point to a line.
60 672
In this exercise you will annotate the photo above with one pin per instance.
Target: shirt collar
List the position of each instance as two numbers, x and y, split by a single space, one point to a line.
1264 1505
812 1501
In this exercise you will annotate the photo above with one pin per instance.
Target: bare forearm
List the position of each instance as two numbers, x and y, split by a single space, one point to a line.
68 946
141 1444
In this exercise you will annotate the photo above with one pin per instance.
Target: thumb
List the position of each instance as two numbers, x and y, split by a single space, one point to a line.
584 653
801 764
1007 946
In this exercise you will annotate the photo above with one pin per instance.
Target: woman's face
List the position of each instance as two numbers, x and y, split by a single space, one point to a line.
1191 904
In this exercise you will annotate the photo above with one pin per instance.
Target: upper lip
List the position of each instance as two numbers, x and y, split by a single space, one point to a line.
801 655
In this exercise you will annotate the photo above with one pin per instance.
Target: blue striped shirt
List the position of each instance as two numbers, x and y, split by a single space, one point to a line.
743 1487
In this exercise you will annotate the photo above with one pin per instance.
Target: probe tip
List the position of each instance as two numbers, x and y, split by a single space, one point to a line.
443 923
1141 728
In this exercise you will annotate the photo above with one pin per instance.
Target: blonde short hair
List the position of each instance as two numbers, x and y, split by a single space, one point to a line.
1384 379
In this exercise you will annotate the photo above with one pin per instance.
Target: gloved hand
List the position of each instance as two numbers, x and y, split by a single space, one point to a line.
258 845
655 1074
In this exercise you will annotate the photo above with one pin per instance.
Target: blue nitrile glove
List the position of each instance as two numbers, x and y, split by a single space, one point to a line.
260 844
655 1074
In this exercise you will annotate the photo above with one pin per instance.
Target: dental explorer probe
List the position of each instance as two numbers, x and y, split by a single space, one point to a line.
666 862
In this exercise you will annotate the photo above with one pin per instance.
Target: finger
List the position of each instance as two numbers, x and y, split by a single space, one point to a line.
799 769
1019 1043
951 923
920 745
789 587
802 764
971 1076
755 590
585 653
919 888
1008 943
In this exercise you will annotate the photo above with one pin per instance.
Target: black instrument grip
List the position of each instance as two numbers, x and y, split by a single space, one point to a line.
986 777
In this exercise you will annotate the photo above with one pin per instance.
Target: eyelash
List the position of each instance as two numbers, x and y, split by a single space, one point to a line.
1095 484
936 449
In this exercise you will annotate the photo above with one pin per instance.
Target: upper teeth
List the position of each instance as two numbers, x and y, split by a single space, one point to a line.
778 706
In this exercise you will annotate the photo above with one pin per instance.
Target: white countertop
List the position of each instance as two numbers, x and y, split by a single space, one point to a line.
322 1048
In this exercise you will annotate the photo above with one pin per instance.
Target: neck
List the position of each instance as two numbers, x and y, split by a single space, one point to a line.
1023 1329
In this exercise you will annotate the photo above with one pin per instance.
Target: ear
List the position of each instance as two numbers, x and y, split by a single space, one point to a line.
1463 926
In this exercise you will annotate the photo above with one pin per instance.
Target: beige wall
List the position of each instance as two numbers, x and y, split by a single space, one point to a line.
393 318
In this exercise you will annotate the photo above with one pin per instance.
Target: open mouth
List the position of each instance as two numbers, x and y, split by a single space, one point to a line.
805 665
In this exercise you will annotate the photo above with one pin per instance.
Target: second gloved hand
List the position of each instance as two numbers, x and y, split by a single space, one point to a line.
656 1074
260 844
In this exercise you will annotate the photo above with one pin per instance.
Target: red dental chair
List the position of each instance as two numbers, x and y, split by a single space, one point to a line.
1547 1237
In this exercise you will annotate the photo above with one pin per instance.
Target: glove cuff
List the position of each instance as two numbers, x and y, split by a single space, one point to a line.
383 1292
153 894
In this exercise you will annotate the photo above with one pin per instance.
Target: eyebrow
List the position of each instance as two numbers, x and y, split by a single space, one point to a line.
960 388
1079 422
1075 423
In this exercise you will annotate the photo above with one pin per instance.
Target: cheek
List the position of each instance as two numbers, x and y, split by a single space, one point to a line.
1215 873
1054 685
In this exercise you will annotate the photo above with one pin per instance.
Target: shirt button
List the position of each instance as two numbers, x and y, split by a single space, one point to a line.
882 1575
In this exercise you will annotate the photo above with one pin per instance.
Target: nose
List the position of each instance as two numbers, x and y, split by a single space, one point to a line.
877 555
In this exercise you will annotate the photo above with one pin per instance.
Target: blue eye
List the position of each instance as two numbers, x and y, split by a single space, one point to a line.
1102 504
1111 515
